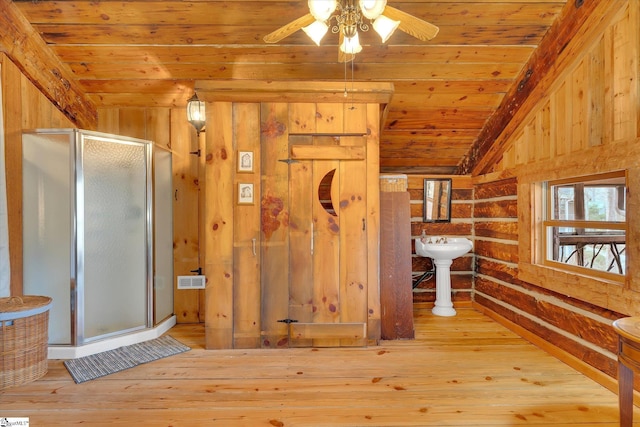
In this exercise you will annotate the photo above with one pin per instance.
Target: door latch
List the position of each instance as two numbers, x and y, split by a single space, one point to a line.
287 321
289 161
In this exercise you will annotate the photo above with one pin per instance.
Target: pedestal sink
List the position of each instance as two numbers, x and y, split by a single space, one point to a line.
443 250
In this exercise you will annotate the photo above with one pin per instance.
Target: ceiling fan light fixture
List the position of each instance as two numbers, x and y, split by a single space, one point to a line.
348 17
351 45
385 27
322 9
316 31
196 113
372 9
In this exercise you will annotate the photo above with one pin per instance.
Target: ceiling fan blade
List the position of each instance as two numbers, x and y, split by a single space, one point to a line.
290 28
411 25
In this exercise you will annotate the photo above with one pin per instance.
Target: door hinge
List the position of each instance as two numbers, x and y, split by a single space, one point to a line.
287 321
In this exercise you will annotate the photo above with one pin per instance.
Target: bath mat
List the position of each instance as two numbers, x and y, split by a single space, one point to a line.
109 362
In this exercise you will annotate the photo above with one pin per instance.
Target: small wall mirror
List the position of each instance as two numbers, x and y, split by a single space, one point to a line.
437 200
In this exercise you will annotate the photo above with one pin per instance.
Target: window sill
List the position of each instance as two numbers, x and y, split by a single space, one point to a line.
607 294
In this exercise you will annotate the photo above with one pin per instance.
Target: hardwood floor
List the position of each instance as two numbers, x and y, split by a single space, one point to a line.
465 370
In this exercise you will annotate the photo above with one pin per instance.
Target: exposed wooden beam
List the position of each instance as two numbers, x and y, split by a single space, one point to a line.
299 91
24 46
572 26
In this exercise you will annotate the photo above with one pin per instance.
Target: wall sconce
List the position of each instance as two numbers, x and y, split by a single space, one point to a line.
195 113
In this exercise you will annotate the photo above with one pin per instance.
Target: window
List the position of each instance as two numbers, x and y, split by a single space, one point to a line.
585 223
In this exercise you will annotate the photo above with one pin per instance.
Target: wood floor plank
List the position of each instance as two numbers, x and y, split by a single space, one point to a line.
465 370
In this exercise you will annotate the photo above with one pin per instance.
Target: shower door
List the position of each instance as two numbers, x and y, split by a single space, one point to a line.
113 259
87 231
162 235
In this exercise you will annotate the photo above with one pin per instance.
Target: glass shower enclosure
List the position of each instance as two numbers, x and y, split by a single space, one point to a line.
88 232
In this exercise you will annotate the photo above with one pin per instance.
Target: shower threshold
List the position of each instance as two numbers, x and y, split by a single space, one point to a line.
70 352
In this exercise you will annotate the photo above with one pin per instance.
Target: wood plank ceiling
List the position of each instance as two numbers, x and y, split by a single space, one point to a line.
150 52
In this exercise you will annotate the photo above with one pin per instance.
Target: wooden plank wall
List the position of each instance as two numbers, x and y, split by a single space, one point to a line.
586 121
274 225
249 283
247 256
461 225
396 295
24 107
219 224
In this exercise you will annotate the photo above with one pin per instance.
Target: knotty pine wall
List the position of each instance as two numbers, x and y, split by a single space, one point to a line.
23 107
250 289
585 121
461 225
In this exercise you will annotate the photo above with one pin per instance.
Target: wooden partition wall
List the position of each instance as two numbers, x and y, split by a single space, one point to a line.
284 265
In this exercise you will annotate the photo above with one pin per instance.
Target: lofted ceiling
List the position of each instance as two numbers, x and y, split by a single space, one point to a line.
453 94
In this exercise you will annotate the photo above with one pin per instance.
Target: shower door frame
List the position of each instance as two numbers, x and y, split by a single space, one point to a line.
78 337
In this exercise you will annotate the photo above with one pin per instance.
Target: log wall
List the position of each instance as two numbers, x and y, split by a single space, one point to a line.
585 122
461 225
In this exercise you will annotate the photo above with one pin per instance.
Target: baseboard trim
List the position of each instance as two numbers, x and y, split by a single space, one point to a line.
560 354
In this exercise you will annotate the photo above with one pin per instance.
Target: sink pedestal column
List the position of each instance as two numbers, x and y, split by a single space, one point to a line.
443 305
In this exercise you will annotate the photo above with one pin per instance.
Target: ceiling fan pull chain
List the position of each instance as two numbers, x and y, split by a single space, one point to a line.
352 84
345 79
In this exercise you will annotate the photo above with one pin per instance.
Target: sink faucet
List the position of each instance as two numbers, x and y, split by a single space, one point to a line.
441 240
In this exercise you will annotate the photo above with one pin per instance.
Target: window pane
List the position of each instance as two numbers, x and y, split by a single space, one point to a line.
596 249
563 202
602 204
589 200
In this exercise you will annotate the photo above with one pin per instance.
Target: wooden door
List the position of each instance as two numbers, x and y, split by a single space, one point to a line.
328 242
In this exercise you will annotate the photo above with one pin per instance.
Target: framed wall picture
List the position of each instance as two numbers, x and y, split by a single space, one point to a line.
245 161
245 193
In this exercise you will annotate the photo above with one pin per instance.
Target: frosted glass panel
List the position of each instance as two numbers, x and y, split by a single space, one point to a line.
87 232
163 235
47 227
114 241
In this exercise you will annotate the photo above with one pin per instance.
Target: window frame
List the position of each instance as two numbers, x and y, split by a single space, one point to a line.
548 223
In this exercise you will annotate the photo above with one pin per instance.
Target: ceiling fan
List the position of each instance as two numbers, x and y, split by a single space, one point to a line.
348 17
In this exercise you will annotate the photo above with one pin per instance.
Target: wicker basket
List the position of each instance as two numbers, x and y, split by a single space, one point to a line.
24 328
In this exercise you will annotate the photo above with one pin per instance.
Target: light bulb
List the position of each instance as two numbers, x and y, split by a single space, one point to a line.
322 9
371 9
316 31
351 45
385 27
